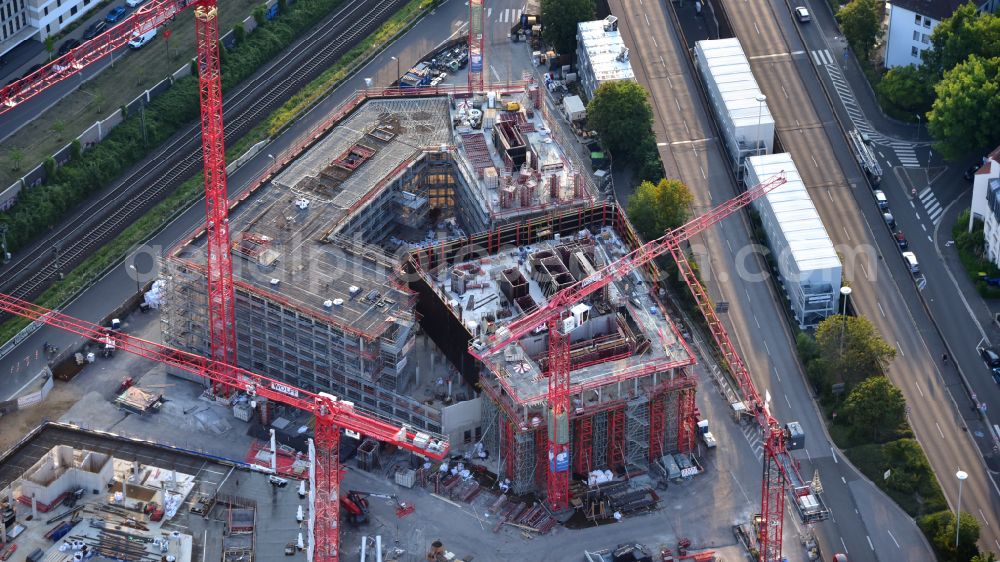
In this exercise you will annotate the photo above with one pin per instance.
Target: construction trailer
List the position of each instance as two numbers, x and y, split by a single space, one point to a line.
322 301
806 258
737 102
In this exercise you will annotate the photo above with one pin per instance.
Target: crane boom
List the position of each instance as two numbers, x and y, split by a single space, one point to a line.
325 407
147 17
559 303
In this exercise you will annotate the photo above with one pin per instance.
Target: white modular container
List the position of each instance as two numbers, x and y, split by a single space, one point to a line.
807 261
745 122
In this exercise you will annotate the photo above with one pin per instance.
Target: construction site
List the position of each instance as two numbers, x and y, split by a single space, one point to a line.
433 283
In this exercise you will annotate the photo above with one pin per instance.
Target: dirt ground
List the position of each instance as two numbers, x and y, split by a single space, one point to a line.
58 402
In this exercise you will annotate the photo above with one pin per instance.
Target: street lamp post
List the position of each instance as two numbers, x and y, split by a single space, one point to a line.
397 70
846 293
135 272
961 475
918 126
761 98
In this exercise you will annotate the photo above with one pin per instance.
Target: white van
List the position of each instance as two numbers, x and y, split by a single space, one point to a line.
911 260
138 41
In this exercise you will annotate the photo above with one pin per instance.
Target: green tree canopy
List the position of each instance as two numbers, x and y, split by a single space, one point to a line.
655 208
908 90
967 108
876 407
559 19
940 529
966 32
621 115
861 21
852 348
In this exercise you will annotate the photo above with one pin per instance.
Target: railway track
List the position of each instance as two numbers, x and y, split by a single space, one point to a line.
143 186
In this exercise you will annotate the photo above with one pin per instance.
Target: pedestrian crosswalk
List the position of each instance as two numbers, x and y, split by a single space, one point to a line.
931 205
851 105
906 154
508 15
821 57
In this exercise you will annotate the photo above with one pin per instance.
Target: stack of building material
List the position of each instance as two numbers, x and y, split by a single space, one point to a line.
510 512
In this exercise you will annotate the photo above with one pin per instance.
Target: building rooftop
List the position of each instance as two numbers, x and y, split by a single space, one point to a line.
729 67
604 46
297 237
808 240
619 337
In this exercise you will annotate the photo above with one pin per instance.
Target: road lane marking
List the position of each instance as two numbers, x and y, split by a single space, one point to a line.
893 538
777 374
728 243
767 349
920 390
900 348
865 271
844 544
848 234
834 453
647 18
787 401
983 515
922 225
844 480
880 308
870 545
939 429
654 42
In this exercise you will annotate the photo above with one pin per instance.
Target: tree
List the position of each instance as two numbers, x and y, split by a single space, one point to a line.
50 45
656 208
621 115
875 405
59 128
964 33
559 19
98 101
940 529
984 557
967 98
861 21
907 90
852 348
16 158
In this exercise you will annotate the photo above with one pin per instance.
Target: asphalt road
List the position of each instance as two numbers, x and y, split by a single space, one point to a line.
884 290
691 151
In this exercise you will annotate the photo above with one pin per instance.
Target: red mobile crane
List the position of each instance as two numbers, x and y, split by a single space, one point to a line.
331 413
779 468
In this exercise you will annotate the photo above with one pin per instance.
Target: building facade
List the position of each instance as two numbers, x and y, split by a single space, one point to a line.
910 23
22 20
985 192
601 55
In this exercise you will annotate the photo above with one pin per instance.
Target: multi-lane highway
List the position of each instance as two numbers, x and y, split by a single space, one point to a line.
864 520
883 289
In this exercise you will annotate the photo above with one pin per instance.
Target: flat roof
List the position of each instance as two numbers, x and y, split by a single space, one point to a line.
603 49
805 233
727 64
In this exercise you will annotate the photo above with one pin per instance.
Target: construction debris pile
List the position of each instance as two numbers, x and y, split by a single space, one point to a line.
615 499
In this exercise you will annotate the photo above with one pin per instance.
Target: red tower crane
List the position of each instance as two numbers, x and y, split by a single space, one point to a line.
219 267
331 414
553 316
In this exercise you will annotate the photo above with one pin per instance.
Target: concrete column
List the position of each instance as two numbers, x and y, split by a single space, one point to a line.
34 507
173 476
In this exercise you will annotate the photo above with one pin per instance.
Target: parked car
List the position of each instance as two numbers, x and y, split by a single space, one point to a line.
901 240
880 198
138 41
68 45
970 172
802 14
992 360
115 15
95 29
889 220
911 262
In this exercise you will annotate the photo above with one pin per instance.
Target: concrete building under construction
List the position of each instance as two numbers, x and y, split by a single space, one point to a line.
447 215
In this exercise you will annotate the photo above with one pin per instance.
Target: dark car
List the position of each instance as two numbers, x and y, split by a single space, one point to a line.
992 361
901 240
115 15
68 45
970 172
31 70
95 29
